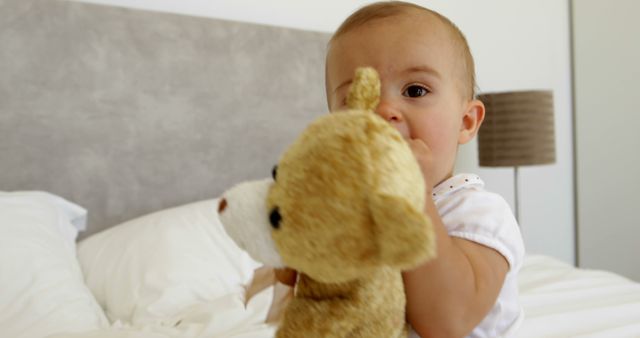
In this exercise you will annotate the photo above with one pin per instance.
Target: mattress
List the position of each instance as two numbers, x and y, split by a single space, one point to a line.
562 301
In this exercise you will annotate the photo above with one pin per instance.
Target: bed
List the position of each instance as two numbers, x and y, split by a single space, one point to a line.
118 130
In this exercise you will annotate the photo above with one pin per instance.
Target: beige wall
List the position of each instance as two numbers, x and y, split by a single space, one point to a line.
607 88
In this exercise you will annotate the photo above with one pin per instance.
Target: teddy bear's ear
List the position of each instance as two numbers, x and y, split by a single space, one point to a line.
404 235
364 93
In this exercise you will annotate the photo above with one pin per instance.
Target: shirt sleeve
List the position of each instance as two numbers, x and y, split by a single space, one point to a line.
485 218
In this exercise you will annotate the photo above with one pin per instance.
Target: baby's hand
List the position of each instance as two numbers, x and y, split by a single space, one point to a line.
423 155
286 276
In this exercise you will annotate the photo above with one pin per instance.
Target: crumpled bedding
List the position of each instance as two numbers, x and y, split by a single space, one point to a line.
562 301
226 317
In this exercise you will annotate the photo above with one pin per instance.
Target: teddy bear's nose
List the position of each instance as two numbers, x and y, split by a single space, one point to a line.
275 218
222 205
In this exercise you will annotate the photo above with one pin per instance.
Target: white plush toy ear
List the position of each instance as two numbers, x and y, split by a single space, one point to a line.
243 213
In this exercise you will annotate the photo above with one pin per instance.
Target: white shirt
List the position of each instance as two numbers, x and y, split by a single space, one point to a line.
469 211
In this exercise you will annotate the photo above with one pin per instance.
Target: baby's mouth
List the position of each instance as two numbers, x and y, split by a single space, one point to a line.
403 130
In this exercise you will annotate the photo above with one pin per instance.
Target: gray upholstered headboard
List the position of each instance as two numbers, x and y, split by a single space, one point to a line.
126 112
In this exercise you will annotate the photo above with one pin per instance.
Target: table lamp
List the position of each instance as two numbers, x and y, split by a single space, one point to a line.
518 130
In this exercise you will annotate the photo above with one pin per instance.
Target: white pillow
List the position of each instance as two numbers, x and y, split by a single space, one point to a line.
149 270
42 288
70 213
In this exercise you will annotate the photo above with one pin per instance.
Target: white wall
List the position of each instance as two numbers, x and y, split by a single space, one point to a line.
607 50
517 45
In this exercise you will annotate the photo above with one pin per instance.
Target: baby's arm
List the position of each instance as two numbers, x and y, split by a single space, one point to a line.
450 295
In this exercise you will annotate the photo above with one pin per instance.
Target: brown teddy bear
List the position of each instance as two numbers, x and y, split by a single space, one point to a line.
344 209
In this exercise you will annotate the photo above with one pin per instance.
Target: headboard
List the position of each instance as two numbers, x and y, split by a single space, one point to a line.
126 112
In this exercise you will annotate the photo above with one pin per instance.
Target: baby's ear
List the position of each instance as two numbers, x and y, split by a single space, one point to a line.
404 235
471 121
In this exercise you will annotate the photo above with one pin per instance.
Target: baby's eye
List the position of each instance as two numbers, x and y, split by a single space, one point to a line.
415 91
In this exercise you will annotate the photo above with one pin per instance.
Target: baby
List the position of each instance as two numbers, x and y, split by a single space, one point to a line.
428 83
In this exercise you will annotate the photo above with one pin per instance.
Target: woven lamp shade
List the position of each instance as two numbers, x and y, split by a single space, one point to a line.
517 130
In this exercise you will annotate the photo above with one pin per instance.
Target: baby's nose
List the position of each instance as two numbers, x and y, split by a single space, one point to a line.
388 112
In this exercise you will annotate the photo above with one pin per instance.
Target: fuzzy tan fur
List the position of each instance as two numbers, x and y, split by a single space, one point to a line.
346 211
350 196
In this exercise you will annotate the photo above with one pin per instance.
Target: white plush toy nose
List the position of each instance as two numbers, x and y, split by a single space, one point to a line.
244 216
222 205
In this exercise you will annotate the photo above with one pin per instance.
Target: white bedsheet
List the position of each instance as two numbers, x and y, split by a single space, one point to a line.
562 301
559 301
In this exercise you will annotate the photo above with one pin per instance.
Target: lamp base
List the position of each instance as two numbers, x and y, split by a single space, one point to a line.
515 196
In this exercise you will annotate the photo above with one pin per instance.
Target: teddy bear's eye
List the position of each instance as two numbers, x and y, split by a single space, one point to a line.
274 172
275 218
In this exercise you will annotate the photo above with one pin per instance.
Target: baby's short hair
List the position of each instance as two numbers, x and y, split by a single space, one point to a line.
385 9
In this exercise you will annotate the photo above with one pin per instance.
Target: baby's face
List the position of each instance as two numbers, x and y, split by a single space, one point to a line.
421 91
